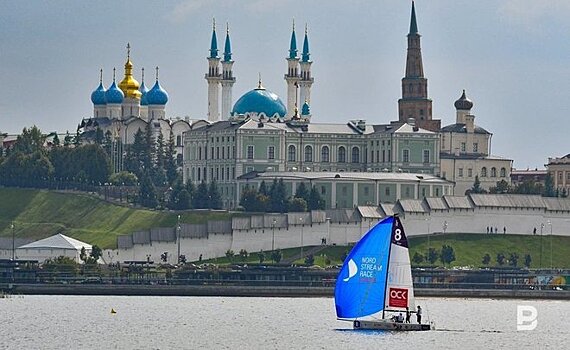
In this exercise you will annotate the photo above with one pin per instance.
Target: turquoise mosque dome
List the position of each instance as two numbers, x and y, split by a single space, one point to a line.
157 95
114 94
98 96
259 101
144 90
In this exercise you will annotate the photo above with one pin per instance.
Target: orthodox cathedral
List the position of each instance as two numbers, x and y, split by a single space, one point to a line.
260 138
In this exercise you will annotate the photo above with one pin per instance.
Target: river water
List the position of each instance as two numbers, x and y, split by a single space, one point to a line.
86 322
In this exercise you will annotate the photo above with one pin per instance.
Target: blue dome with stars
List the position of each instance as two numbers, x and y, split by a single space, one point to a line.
98 96
260 101
114 94
157 95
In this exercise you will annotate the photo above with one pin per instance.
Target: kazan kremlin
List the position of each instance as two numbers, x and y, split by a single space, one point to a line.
261 138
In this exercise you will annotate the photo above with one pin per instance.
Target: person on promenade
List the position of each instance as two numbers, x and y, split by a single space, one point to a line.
408 314
419 314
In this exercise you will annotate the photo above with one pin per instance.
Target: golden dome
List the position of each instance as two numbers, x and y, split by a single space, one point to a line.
129 85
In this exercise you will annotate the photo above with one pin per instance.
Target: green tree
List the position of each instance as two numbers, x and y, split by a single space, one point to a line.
549 186
278 196
123 178
297 205
200 198
230 255
261 256
476 186
310 260
147 193
501 187
262 188
447 254
486 259
170 160
316 202
135 154
418 258
30 141
276 256
302 192
214 197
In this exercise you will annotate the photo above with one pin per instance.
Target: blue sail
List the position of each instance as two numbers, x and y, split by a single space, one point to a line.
361 282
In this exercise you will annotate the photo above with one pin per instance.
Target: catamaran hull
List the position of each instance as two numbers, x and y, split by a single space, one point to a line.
390 326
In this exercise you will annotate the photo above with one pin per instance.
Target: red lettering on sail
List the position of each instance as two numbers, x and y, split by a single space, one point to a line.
398 297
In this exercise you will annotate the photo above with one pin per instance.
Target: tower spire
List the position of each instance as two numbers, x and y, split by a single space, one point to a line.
413 23
128 51
114 74
101 76
227 46
214 42
156 73
293 44
142 75
306 54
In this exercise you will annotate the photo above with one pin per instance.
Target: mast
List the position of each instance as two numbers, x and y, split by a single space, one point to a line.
387 267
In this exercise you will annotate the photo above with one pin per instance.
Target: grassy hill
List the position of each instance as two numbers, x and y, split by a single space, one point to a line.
38 214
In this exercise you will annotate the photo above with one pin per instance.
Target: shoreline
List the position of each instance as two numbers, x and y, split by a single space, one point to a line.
260 291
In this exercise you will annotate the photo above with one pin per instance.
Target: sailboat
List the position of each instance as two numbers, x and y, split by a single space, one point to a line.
375 282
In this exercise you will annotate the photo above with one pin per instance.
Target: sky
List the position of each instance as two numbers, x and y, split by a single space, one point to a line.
511 56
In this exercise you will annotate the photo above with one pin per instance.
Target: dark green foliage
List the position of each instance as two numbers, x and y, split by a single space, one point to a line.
447 254
261 257
214 197
529 187
243 254
30 141
501 187
180 198
549 186
476 187
302 192
315 202
262 188
486 259
200 198
432 255
147 193
230 254
252 201
276 256
310 259
170 161
297 205
278 197
417 258
123 178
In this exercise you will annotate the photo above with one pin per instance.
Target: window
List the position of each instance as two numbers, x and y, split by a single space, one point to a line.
560 176
463 146
325 154
493 172
366 191
292 154
568 175
271 152
469 172
212 153
503 172
383 156
341 154
389 155
200 153
460 172
475 147
250 152
308 153
217 152
344 190
199 173
217 174
323 190
406 156
229 152
483 172
355 154
227 173
426 155
205 152
179 140
223 152
437 192
387 191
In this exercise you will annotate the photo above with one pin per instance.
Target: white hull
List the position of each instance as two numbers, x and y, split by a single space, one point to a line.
387 325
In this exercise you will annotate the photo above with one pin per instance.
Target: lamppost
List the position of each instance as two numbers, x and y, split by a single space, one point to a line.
550 224
301 220
13 227
444 229
541 228
328 230
178 239
273 235
428 223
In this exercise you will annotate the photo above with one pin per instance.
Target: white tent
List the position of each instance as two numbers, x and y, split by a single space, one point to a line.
53 247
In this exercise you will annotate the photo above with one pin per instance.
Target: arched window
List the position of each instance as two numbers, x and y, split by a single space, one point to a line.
325 154
503 172
484 172
493 172
355 154
292 154
308 153
341 154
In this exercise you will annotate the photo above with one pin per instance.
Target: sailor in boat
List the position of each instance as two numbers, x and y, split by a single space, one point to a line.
398 318
408 315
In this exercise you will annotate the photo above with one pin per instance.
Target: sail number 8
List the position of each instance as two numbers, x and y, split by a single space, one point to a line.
397 235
